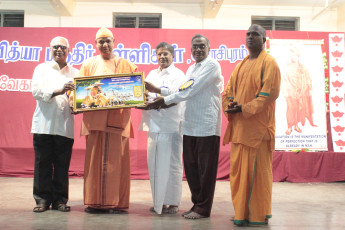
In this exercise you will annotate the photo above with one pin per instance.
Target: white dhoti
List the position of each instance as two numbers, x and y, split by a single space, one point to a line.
164 160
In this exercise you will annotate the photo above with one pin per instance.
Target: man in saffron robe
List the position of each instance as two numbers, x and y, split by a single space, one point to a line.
297 90
107 132
249 104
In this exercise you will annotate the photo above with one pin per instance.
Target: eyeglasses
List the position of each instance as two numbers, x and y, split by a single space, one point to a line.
202 47
59 46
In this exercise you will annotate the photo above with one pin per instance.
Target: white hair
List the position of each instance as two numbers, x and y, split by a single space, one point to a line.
59 37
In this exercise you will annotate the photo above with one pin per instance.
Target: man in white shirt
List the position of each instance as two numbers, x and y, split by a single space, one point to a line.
201 126
53 128
164 139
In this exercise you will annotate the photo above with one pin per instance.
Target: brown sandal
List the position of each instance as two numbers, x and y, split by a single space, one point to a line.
172 209
41 208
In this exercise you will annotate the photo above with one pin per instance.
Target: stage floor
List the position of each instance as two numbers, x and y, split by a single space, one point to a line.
295 206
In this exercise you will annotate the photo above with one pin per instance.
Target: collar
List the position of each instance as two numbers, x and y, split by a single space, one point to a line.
168 70
203 61
56 66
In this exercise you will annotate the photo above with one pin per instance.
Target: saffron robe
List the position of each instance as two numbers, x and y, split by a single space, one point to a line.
107 165
297 90
255 85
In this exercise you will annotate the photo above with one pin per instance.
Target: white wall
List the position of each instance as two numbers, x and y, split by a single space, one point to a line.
36 13
239 17
341 18
186 16
174 15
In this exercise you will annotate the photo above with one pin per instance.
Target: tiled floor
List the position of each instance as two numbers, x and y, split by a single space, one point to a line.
295 206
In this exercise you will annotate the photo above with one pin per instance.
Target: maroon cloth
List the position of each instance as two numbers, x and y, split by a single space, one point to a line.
287 166
308 166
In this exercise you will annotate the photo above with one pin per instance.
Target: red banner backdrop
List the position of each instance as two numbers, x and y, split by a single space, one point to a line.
22 49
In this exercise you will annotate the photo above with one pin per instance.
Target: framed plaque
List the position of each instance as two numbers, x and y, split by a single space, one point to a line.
108 92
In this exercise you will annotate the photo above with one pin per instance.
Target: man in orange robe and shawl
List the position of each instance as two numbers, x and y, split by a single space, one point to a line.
249 104
107 132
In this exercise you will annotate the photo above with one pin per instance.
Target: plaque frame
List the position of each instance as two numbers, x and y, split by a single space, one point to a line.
113 91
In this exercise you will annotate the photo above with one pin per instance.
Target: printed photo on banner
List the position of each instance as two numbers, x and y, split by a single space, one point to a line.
301 107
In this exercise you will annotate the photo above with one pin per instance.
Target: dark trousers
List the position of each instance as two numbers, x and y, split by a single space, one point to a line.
52 159
200 156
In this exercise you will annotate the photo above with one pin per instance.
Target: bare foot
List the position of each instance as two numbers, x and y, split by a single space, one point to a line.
173 209
186 213
312 124
193 216
298 129
288 131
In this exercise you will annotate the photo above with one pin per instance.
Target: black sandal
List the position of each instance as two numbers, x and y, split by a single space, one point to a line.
117 211
61 207
94 210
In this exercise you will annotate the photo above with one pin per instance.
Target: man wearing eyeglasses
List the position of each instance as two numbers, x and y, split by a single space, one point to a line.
201 125
53 128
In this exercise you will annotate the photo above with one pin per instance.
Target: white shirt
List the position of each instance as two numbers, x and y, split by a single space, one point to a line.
52 115
203 113
164 120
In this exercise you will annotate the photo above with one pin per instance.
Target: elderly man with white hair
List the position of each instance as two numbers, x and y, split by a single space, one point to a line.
53 128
